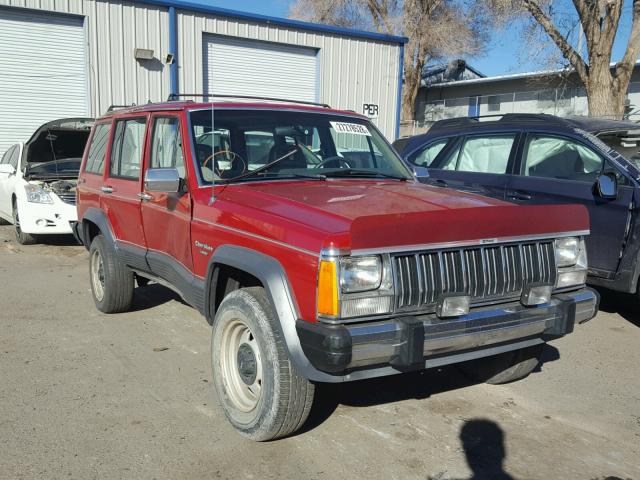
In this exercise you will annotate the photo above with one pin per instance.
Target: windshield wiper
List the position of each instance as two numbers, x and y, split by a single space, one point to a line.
261 169
354 172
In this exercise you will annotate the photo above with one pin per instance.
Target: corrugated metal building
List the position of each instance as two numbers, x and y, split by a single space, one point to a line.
67 58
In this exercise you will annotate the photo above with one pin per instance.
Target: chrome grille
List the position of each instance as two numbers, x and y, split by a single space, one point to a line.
485 273
68 197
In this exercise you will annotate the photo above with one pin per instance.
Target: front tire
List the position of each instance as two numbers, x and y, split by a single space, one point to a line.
22 237
505 367
111 280
262 394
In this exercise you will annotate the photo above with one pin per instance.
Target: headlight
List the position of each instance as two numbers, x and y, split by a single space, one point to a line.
571 258
359 274
36 194
567 251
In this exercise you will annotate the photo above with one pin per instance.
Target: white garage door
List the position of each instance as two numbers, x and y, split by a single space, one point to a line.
246 67
43 73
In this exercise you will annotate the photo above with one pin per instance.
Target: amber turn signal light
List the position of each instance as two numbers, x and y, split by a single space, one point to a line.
328 289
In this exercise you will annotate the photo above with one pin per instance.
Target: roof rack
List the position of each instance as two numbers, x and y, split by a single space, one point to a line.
113 108
177 96
503 118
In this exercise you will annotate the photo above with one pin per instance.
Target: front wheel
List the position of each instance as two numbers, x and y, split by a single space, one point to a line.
505 367
111 280
261 393
22 237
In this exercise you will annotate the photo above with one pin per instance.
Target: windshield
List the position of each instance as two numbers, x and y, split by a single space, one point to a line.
627 147
283 144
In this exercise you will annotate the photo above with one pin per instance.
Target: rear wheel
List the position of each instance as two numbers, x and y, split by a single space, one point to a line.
22 237
505 367
261 393
111 280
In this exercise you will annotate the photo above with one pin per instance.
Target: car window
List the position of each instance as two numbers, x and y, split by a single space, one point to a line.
13 158
561 158
98 149
128 145
488 154
166 145
8 156
426 155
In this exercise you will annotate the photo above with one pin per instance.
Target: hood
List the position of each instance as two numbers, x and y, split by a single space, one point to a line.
362 214
58 140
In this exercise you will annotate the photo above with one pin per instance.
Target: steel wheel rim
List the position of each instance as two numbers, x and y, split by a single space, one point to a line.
238 345
97 275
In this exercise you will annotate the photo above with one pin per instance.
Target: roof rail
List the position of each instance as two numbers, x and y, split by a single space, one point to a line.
177 96
113 108
503 118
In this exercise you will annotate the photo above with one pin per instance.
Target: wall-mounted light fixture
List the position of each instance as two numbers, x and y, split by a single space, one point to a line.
143 54
169 59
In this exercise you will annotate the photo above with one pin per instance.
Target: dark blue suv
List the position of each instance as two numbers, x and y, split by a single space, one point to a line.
543 159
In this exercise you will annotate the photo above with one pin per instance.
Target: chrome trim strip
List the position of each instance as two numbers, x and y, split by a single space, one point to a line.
468 243
256 236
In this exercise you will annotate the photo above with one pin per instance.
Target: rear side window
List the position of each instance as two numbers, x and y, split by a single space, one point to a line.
426 155
98 149
561 158
128 145
481 155
166 146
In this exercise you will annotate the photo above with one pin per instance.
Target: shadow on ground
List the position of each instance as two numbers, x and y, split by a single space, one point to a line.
624 304
153 295
413 385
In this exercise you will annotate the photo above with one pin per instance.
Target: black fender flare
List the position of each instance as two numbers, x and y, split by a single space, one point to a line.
274 279
99 218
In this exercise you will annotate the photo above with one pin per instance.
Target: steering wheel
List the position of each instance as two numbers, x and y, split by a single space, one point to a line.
341 161
232 158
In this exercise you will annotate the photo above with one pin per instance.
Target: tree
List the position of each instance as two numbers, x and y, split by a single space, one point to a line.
436 29
606 84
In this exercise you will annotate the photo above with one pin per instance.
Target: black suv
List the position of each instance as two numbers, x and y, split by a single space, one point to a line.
543 159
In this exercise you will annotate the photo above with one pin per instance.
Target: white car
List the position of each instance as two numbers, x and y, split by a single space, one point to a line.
38 179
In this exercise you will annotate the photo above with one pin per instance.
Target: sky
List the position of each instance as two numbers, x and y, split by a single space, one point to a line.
504 55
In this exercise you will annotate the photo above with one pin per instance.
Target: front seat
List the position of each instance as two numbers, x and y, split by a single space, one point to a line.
280 149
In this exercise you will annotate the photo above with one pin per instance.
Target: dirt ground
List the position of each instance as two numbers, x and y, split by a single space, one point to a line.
84 395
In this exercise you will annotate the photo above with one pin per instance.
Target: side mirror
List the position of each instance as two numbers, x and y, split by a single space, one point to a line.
7 168
165 180
420 172
607 186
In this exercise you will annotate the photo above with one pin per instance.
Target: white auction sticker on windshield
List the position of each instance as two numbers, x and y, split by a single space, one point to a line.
353 128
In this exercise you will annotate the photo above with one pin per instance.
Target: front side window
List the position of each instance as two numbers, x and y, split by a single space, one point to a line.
488 154
560 158
14 157
425 156
126 152
8 155
235 143
98 149
166 145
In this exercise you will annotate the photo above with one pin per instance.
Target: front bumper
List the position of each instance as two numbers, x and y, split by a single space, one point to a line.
47 219
424 341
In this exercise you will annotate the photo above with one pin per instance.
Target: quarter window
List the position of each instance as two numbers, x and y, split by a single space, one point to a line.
481 155
128 144
424 157
166 146
98 149
561 158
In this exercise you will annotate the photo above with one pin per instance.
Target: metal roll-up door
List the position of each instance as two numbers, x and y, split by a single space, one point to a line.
43 71
246 67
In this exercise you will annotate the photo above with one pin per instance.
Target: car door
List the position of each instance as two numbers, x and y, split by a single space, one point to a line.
122 187
557 169
7 180
476 163
166 217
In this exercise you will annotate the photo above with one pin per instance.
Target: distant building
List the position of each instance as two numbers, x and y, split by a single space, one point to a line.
448 92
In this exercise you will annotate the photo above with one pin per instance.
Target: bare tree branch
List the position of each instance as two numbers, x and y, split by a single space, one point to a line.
567 50
624 67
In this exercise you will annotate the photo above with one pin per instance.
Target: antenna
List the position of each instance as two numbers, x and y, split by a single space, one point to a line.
213 158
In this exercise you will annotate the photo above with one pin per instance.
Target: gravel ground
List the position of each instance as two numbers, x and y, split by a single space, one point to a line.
84 395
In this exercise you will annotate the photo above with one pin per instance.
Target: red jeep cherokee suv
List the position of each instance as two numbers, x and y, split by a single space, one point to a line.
300 235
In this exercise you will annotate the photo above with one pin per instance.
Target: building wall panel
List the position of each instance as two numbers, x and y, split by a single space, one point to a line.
352 71
114 30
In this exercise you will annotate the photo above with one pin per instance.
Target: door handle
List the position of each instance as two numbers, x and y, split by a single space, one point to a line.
145 196
520 195
107 189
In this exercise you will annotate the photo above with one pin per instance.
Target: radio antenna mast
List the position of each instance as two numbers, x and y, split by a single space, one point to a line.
213 157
